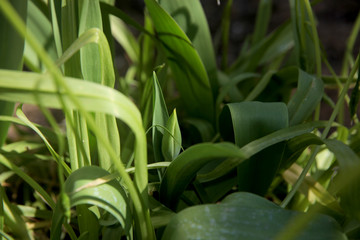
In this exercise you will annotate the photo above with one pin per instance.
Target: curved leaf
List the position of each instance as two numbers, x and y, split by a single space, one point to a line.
245 216
250 121
188 70
190 16
183 169
91 185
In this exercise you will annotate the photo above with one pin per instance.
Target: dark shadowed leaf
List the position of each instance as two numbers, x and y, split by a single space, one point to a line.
245 216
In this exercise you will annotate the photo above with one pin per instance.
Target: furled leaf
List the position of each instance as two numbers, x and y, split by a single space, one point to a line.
171 142
160 118
246 122
245 216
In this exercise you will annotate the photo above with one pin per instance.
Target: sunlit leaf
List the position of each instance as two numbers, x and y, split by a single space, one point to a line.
108 195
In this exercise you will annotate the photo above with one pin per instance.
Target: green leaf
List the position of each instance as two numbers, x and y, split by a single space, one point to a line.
246 122
355 95
86 96
349 164
307 96
258 145
274 45
171 142
307 47
188 70
13 219
190 16
245 216
39 25
11 49
263 16
183 169
160 118
93 186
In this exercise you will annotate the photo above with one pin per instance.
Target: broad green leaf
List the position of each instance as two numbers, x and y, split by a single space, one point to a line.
260 144
11 49
171 141
159 119
245 216
188 70
183 169
190 16
307 96
246 122
91 186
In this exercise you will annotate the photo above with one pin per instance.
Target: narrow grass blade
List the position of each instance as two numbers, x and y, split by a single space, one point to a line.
306 39
11 49
55 155
188 70
13 219
263 16
274 45
39 24
355 95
